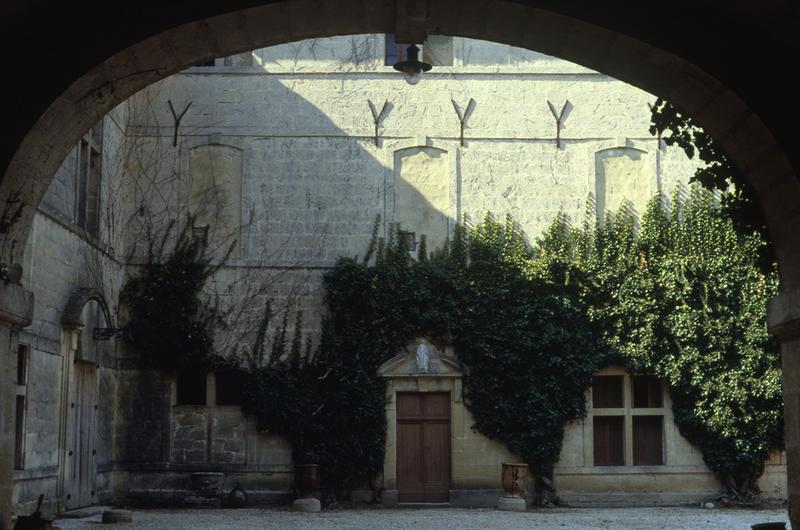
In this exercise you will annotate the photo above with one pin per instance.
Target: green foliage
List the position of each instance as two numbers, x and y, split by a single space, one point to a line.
329 406
171 325
528 351
681 296
686 301
717 172
711 344
527 345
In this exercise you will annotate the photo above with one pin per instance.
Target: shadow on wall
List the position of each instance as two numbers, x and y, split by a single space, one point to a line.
309 193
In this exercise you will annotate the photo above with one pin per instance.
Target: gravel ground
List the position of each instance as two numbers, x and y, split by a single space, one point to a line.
444 518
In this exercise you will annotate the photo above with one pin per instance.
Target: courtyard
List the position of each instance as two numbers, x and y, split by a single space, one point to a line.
666 518
287 292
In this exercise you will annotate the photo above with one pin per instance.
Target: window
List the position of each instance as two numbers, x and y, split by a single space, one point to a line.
200 234
20 411
222 388
228 388
607 392
191 388
436 51
87 204
395 52
648 440
19 434
627 415
409 239
22 364
646 392
608 441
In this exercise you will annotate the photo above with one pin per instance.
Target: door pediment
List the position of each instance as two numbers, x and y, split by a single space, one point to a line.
421 358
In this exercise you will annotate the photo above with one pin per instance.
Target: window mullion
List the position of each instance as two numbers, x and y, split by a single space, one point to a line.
628 428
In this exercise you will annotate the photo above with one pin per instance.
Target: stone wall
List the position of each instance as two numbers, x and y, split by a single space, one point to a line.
61 258
313 181
683 477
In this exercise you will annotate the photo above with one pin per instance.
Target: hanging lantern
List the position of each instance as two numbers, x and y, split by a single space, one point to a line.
412 67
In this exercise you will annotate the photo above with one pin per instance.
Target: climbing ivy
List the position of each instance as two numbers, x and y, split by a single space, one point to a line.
170 323
679 295
526 345
685 299
327 403
716 172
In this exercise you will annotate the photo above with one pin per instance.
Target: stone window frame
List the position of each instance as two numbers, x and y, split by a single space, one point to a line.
92 145
394 52
211 393
650 149
628 412
237 257
389 158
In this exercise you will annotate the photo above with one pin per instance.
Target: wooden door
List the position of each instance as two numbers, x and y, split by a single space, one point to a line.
80 468
423 447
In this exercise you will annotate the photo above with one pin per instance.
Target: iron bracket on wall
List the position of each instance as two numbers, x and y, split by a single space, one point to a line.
378 116
559 119
106 333
177 118
463 116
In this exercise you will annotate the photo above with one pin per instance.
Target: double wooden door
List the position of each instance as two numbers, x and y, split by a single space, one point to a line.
423 447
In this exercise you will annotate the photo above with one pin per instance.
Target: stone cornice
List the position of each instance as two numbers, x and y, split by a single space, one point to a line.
16 306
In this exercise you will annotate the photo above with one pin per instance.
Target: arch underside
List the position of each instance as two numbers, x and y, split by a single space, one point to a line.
756 135
716 107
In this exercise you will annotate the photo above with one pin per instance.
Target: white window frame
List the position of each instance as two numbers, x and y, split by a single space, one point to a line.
93 141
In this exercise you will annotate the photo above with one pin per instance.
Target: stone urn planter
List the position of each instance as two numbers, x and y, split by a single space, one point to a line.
307 478
514 477
237 498
307 482
205 490
207 483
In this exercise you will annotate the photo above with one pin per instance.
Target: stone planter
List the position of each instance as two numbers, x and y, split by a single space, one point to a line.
205 490
514 479
237 498
207 483
306 479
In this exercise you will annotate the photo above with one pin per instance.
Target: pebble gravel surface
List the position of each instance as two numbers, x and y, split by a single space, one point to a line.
443 518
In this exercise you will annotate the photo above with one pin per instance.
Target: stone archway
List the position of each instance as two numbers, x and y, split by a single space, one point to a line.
628 43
